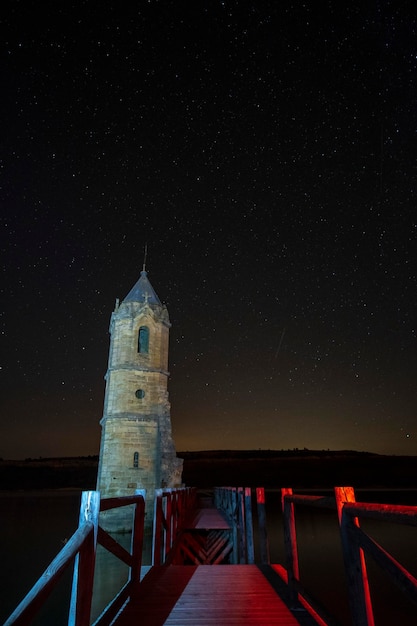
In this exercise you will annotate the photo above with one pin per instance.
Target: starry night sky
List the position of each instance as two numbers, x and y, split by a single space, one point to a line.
266 153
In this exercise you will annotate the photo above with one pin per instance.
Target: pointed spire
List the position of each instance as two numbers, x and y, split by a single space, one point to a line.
143 291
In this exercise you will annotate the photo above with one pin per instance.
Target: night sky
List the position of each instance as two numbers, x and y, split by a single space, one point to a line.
266 154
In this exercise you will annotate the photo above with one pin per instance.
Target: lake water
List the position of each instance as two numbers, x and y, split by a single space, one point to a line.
35 525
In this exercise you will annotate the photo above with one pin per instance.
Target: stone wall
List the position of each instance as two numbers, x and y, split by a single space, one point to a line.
122 438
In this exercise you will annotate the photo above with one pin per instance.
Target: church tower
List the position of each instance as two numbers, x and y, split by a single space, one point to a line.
137 450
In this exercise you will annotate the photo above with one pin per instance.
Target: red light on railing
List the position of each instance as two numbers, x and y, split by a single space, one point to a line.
260 495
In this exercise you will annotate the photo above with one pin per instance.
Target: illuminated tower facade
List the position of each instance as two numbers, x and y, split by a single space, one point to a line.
137 449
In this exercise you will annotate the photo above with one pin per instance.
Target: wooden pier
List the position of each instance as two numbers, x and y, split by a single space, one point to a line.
191 591
206 595
205 567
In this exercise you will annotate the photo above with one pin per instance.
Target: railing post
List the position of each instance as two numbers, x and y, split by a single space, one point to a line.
137 537
176 496
168 521
82 583
249 526
354 558
234 508
241 525
290 542
263 535
157 524
226 499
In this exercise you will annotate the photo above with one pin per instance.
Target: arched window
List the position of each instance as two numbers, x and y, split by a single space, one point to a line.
136 459
143 340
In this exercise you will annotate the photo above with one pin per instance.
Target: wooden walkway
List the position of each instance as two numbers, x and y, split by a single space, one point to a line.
207 594
223 595
206 519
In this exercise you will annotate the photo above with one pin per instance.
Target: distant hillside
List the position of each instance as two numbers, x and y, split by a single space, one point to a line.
249 468
298 469
52 473
265 454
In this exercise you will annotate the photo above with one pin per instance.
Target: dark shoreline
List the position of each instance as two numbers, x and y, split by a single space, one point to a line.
250 468
321 470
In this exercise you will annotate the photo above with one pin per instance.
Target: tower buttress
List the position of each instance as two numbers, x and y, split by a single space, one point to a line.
137 449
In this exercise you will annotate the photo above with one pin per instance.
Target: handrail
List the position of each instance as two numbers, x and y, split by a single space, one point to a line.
398 513
133 558
236 505
296 591
81 549
171 508
355 542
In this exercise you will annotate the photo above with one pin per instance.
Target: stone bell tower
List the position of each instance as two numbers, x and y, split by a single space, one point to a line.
137 450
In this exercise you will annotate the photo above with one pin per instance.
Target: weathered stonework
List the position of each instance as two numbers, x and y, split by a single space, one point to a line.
137 449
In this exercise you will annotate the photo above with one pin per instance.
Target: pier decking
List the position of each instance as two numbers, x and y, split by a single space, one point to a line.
203 595
206 595
200 595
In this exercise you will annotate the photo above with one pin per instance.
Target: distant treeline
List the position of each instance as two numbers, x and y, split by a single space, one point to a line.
297 468
90 457
267 454
204 454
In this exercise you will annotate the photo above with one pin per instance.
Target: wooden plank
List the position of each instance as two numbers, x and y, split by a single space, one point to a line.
206 595
137 536
154 598
206 519
157 528
316 614
249 526
262 532
354 558
290 542
223 554
215 547
190 554
113 546
83 579
194 544
203 550
241 523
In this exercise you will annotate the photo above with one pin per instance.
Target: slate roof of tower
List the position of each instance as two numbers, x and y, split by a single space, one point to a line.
142 291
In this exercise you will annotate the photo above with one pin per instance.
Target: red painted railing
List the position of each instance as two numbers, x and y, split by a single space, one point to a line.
171 508
236 504
355 544
132 559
